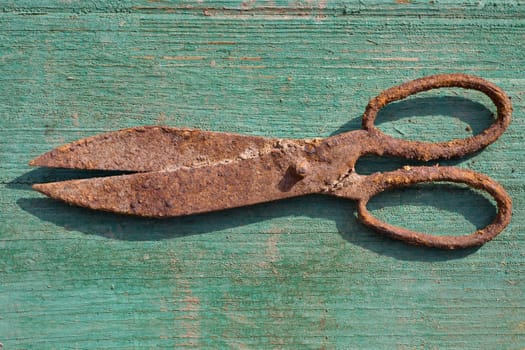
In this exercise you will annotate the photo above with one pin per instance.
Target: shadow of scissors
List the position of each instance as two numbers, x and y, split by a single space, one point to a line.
187 171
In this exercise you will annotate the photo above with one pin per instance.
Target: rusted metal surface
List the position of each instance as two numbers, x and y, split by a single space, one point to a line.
152 148
185 171
410 175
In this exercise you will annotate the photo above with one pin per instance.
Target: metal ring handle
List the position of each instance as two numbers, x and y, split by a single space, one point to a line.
441 150
380 182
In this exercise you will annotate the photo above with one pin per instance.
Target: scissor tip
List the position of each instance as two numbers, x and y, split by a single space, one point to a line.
39 187
38 161
51 190
47 189
50 160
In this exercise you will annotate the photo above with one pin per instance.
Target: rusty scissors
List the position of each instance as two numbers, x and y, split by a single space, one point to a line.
186 171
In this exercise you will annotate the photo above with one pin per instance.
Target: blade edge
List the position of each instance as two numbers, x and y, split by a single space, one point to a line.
183 191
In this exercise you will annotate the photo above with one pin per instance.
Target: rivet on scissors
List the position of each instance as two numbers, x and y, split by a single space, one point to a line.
301 168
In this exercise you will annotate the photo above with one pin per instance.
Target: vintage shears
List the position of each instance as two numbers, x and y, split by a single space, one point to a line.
186 171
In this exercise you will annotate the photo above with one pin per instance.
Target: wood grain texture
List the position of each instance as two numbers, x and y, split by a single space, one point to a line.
299 273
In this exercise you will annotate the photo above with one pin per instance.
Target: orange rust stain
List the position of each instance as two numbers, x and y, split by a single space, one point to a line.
191 334
272 251
221 43
147 57
250 58
183 58
275 230
74 116
191 303
231 58
252 67
398 59
161 119
148 8
402 1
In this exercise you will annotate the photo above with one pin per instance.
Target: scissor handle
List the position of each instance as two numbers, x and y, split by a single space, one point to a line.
379 182
441 150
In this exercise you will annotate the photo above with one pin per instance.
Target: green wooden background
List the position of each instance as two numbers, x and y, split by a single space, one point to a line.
299 273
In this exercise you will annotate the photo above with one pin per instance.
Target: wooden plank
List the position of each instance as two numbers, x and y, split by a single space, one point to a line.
299 273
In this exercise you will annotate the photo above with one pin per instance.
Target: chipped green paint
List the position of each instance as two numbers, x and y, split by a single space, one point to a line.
300 273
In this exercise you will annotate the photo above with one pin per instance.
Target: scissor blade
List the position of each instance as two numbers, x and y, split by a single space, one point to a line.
152 148
184 191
